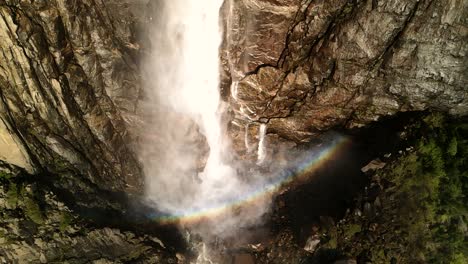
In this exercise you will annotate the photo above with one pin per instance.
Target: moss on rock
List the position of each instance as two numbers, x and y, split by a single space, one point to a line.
32 210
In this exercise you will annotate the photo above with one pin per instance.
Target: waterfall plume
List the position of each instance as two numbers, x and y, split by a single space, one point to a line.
186 158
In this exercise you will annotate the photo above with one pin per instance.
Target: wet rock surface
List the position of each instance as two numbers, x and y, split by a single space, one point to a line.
71 83
71 110
304 67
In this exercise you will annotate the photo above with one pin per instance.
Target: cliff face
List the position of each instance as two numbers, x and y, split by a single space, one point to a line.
37 227
70 83
304 67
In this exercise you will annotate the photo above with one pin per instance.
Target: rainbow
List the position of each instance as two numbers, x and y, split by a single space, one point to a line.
310 163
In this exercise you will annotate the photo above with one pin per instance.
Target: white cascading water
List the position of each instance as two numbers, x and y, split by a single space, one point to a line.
184 72
261 151
183 102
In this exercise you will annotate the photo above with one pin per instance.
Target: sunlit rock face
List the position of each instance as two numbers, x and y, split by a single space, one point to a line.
69 83
11 149
72 99
304 67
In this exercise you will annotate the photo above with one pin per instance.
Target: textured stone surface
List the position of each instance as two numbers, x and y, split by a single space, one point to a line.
304 67
11 149
36 227
70 84
70 91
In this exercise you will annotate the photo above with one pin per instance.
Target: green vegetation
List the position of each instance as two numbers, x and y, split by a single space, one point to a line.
135 254
32 210
431 184
351 230
5 176
12 194
422 211
66 220
332 242
17 196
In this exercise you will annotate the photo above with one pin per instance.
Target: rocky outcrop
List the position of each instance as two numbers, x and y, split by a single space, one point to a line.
70 82
37 227
304 67
11 148
69 86
412 209
71 98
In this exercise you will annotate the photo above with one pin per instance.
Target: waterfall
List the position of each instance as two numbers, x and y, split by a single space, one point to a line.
190 176
261 151
184 72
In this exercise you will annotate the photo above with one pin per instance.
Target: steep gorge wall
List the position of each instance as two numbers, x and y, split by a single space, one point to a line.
71 85
304 67
72 97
